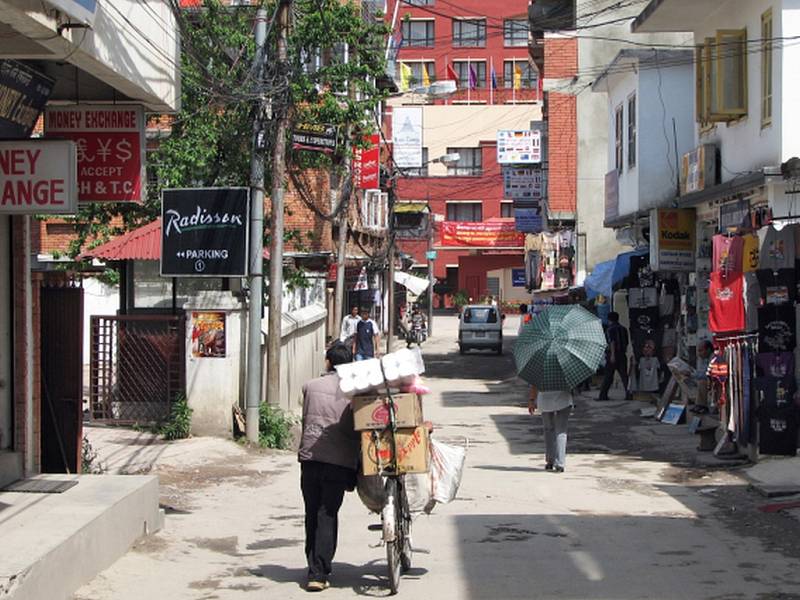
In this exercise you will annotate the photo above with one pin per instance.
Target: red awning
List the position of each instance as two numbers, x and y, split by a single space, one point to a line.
143 243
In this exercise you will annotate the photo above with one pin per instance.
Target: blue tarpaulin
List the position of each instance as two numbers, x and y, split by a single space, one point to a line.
609 273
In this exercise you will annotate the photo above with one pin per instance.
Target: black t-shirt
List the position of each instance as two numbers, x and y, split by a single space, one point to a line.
777 287
365 333
778 392
776 328
640 274
777 432
644 319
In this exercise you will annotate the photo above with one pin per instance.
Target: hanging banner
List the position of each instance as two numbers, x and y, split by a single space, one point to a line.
407 136
672 234
518 278
208 334
314 136
519 147
111 148
38 177
23 93
528 220
366 164
523 183
491 234
204 232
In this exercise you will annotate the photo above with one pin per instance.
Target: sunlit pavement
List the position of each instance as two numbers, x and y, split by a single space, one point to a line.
634 515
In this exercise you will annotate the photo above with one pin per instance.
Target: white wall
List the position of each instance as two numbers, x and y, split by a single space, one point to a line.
619 87
509 293
98 299
787 81
744 145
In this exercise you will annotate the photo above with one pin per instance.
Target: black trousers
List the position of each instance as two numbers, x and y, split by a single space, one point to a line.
620 367
323 486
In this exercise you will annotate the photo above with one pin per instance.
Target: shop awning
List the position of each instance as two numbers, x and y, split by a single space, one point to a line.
410 207
609 273
143 243
415 285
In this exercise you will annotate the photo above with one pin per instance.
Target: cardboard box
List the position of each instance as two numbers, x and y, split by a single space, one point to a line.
372 412
413 451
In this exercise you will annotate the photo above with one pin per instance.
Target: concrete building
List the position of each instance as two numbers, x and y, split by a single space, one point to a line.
642 164
468 43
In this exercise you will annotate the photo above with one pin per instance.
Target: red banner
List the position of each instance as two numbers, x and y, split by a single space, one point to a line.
491 234
366 164
110 144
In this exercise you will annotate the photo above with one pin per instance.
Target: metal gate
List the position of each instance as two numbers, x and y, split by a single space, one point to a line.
137 367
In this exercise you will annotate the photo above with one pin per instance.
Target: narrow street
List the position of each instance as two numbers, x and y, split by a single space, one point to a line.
634 515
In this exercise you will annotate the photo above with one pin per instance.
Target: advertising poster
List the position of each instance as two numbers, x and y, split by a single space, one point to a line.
111 147
491 234
523 183
314 136
672 235
366 164
23 93
204 232
208 334
407 136
515 147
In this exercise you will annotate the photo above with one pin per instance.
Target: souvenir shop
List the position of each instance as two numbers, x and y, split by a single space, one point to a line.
550 260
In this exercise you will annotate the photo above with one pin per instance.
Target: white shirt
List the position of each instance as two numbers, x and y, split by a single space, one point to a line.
553 401
349 324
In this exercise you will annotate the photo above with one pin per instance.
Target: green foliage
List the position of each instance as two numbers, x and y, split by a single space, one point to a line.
274 427
179 424
461 298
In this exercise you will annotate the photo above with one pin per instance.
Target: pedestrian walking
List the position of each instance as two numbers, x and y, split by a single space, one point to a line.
349 325
616 356
328 455
367 338
555 408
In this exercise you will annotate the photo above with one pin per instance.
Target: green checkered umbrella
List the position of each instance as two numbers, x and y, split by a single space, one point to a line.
560 348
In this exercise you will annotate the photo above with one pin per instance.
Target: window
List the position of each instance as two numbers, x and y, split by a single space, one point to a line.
470 161
419 2
721 77
418 74
462 69
766 68
469 33
618 139
515 32
507 210
632 131
423 170
528 77
467 212
418 32
374 210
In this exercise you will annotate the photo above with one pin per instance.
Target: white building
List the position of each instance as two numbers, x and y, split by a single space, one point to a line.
650 96
746 90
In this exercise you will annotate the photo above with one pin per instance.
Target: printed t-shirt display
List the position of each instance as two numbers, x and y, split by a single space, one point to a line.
776 328
776 364
644 319
642 297
778 392
752 300
750 252
777 249
728 250
648 374
726 300
777 287
777 432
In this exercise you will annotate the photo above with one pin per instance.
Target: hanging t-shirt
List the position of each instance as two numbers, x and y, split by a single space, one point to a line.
726 302
778 393
777 432
750 252
648 374
640 274
642 297
644 319
666 302
752 300
777 249
776 364
777 287
776 328
727 253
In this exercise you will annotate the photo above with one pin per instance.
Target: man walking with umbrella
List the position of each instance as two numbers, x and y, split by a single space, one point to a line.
555 408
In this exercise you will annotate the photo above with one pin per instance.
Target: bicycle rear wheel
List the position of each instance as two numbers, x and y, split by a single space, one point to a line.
392 534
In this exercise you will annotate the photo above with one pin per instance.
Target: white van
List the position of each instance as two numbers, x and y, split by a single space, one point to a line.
480 327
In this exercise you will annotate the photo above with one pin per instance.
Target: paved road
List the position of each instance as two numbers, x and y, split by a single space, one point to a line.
633 517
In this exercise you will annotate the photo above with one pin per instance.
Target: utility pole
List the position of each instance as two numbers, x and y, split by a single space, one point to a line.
391 253
276 248
256 276
341 259
431 277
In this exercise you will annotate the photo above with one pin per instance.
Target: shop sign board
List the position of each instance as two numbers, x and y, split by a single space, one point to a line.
699 169
529 220
519 147
208 334
366 164
612 195
111 148
490 234
83 11
204 232
38 177
320 137
23 93
734 215
407 136
523 183
518 278
672 239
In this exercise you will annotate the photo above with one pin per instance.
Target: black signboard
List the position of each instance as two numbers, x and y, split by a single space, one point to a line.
314 136
204 232
23 93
